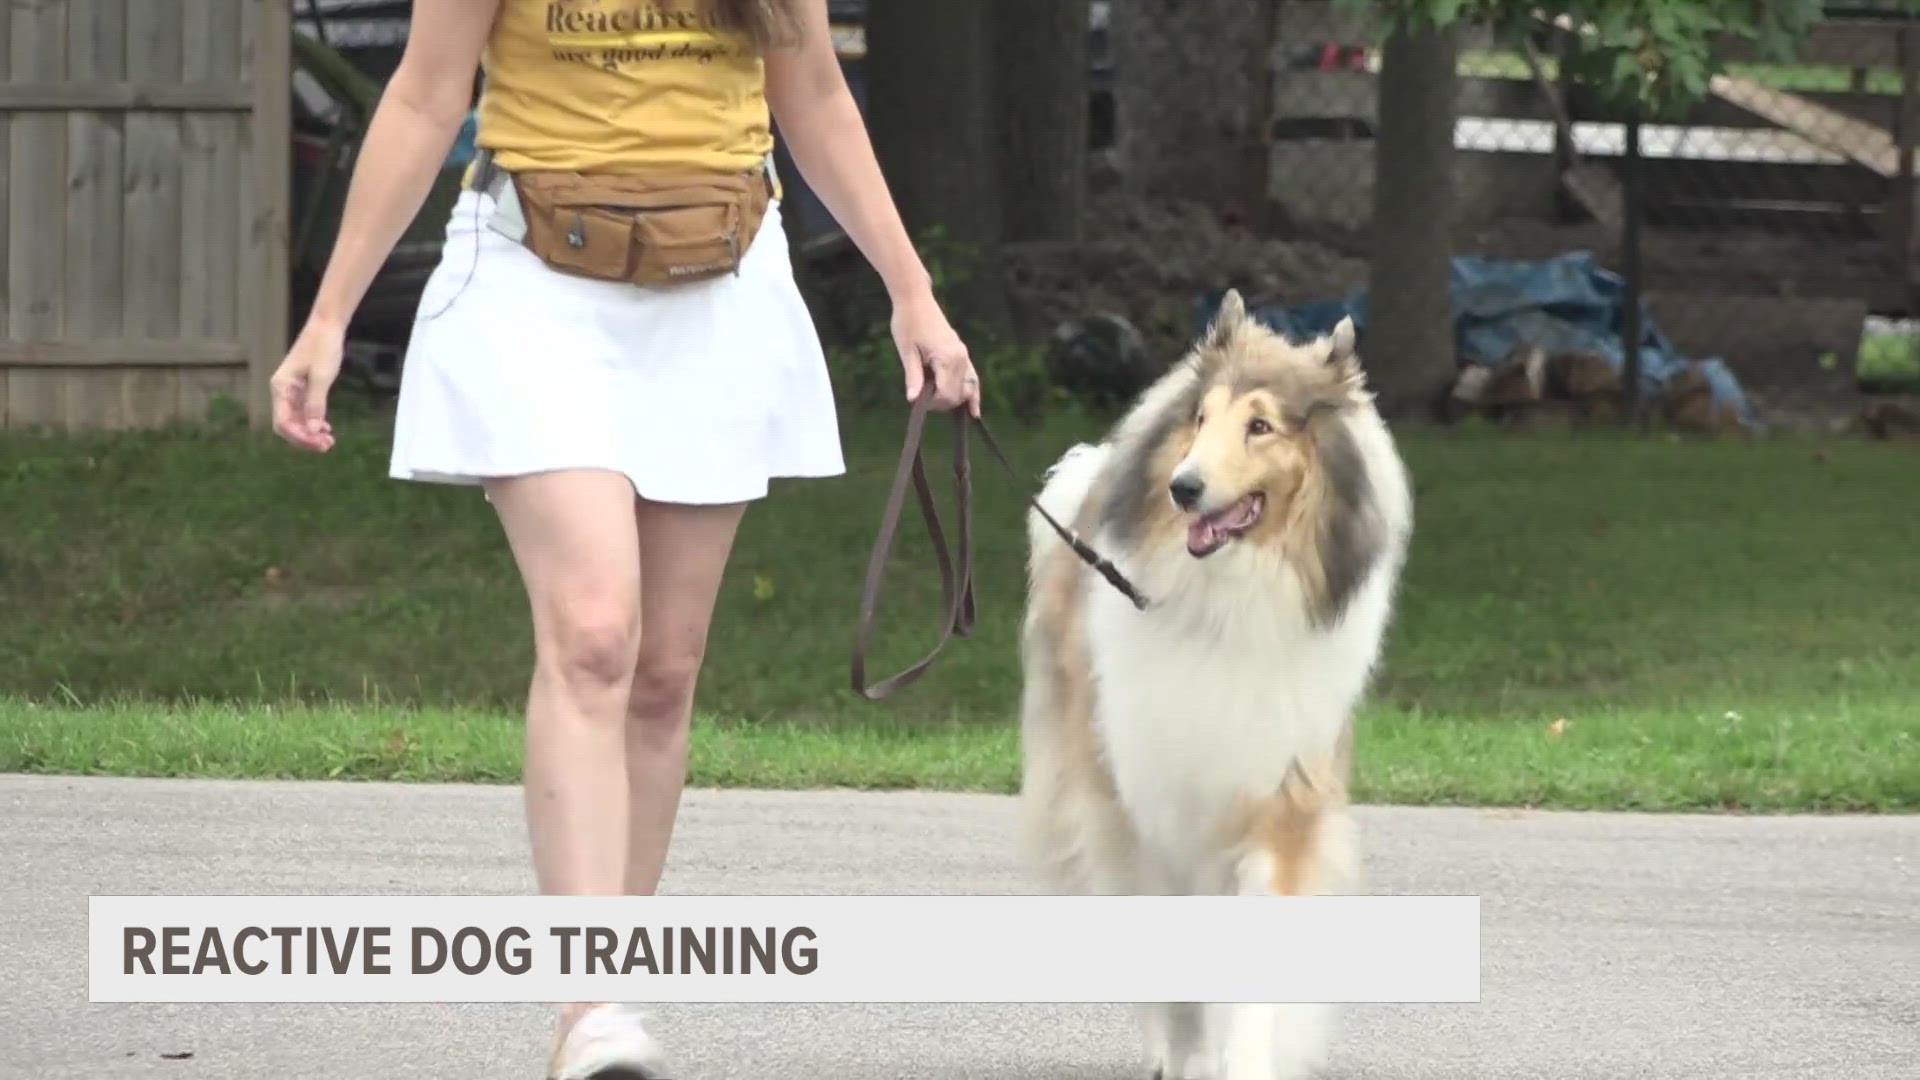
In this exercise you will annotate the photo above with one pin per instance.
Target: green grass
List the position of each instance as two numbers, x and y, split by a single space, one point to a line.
305 742
1847 753
1721 624
1890 361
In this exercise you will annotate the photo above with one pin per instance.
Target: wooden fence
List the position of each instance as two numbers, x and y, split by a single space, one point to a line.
143 209
1826 165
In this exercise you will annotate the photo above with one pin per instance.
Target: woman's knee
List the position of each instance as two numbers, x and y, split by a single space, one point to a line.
591 644
663 686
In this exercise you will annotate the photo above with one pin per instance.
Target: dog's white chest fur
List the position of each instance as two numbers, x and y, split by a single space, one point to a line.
1196 711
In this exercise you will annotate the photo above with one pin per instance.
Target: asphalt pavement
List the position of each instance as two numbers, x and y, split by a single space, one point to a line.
1616 946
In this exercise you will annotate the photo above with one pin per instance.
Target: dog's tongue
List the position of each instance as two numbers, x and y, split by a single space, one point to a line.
1239 515
1202 535
1207 533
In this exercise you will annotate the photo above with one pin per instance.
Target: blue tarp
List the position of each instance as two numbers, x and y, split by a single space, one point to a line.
1564 304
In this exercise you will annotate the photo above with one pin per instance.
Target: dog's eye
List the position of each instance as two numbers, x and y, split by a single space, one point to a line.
1259 426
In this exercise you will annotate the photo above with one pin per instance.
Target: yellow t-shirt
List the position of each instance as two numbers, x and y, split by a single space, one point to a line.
621 86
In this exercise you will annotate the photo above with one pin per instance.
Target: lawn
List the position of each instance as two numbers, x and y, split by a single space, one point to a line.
1890 359
1587 620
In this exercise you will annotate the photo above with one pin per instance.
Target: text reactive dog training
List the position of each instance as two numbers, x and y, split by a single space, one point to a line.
369 950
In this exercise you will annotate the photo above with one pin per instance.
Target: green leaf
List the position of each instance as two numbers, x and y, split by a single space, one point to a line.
1656 53
1625 68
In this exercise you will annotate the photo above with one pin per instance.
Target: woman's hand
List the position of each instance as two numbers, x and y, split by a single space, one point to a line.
300 386
826 133
926 340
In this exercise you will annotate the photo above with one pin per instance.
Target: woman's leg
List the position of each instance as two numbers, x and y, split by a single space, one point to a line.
683 555
573 537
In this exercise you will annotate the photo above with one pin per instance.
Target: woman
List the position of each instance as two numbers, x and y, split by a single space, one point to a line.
618 429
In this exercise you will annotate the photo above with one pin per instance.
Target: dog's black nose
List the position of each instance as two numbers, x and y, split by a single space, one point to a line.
1186 491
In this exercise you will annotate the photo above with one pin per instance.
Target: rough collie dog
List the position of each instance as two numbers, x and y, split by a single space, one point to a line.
1200 746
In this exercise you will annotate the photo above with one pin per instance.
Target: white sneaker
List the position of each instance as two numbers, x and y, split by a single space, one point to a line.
608 1043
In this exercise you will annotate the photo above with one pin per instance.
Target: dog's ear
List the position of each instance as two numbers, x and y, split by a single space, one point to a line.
1341 344
1227 321
1346 384
1343 356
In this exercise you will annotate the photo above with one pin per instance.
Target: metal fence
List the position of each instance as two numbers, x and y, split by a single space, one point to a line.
1770 231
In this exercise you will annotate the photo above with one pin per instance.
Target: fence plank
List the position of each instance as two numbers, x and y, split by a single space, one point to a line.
268 33
210 231
6 176
37 212
149 397
1353 94
37 199
199 388
1863 143
89 401
124 352
121 96
96 50
93 293
210 254
153 199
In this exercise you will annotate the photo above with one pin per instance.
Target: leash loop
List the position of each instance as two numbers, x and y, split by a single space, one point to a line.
955 567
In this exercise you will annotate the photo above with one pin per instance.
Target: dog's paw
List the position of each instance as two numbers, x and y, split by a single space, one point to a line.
1301 1039
1276 1042
1176 1048
1194 1068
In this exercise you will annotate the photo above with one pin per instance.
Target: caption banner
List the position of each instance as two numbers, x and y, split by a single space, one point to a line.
931 949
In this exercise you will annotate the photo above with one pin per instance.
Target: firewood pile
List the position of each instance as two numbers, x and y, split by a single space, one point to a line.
1534 386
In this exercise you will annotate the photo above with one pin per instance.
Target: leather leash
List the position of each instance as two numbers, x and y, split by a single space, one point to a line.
956 567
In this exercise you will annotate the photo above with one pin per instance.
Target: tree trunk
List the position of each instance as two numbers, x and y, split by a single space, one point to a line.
1040 60
930 93
1183 91
1409 344
1256 166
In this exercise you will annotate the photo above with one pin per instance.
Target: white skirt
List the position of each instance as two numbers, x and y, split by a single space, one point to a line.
700 393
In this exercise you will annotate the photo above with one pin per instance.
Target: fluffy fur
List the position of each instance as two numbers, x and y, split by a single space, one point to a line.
1201 746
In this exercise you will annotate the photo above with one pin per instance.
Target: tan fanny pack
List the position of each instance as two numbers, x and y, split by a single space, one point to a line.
644 229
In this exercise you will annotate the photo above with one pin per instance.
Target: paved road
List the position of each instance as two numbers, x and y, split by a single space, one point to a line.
1617 947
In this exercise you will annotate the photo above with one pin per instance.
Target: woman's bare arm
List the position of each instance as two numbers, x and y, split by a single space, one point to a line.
406 145
828 140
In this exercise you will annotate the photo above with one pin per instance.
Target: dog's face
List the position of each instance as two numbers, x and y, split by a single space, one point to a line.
1244 456
1253 440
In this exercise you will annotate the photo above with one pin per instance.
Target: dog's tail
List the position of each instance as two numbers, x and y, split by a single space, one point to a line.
1066 487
